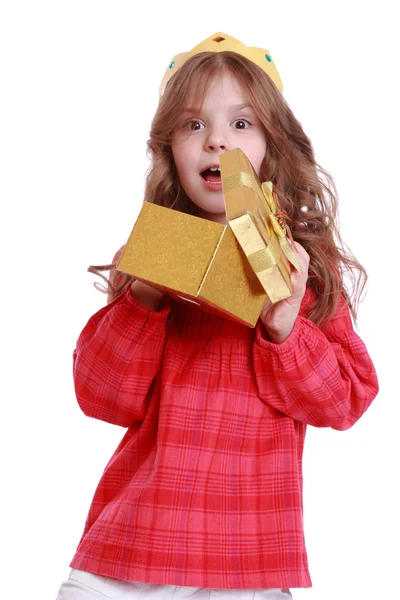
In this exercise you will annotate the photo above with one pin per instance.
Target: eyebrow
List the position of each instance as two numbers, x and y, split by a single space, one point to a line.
233 108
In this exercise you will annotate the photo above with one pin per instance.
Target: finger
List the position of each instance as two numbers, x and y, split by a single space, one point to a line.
301 251
303 264
266 306
303 256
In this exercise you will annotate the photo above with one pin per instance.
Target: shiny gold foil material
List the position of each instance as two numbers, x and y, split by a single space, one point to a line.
193 260
228 269
250 210
259 256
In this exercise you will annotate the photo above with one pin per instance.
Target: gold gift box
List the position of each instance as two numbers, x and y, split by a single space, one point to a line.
193 259
229 269
258 224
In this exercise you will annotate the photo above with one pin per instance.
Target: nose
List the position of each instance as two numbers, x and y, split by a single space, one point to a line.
216 140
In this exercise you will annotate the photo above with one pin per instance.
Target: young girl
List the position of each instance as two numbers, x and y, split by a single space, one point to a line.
203 496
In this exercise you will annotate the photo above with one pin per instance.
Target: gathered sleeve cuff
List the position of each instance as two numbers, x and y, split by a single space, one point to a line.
322 377
117 357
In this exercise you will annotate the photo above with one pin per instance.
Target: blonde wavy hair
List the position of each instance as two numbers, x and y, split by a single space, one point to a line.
305 190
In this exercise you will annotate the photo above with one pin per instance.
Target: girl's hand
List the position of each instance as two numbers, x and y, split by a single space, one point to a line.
279 318
146 295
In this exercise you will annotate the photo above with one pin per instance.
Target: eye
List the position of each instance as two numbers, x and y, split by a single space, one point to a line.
192 125
243 121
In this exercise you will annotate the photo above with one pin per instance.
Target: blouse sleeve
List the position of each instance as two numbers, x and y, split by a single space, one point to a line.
116 359
322 377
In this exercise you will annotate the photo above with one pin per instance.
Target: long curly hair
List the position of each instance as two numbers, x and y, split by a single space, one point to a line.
305 190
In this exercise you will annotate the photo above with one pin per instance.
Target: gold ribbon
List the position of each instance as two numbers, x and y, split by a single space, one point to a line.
269 256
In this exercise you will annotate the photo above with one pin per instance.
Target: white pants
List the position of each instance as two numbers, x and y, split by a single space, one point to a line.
87 586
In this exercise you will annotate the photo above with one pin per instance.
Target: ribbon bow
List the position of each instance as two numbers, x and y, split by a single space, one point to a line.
278 218
264 255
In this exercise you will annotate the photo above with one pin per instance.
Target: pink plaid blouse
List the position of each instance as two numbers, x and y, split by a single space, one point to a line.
205 487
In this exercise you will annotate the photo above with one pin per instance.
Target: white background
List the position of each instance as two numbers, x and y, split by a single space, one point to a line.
79 86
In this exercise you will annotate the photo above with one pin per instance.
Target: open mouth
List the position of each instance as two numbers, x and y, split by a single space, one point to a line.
212 175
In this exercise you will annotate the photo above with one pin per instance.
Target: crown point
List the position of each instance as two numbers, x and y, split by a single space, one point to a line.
171 64
269 59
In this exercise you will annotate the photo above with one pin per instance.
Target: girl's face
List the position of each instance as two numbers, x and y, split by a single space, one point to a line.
224 122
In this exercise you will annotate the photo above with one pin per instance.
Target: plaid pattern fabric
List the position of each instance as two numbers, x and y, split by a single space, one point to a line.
205 488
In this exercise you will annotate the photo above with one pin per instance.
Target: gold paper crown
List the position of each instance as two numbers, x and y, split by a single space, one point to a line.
218 43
